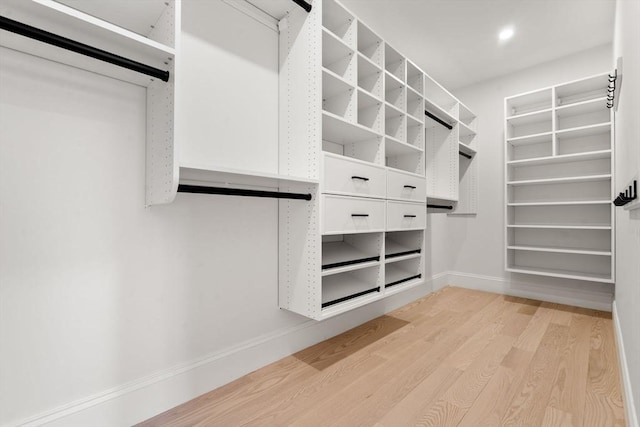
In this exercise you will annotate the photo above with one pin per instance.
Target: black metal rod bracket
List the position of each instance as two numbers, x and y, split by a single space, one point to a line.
440 207
438 119
81 48
224 191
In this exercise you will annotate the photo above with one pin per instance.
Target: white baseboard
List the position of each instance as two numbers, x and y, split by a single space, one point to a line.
143 398
629 404
499 285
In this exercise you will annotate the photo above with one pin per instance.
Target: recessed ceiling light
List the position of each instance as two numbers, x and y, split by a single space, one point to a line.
506 33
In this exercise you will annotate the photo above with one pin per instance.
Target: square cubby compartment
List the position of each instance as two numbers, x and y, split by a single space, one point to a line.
370 45
338 97
395 92
403 273
338 58
370 78
415 132
401 245
350 252
370 111
351 140
415 104
339 22
394 63
415 78
395 123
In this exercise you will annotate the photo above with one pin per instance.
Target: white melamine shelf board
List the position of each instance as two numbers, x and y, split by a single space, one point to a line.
393 273
277 9
369 100
73 24
402 258
207 174
333 48
564 180
353 160
413 122
561 227
414 92
346 268
439 112
367 66
530 101
407 172
531 139
466 149
583 131
411 116
439 199
583 107
464 130
567 274
530 118
337 286
592 87
333 84
563 203
395 147
393 111
565 158
465 115
338 130
336 17
558 250
392 82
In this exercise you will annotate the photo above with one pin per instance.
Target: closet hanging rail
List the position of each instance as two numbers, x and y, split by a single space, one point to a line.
303 4
464 155
81 48
440 206
198 189
439 120
397 282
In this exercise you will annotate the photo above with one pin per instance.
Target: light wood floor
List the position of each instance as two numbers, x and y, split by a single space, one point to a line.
454 358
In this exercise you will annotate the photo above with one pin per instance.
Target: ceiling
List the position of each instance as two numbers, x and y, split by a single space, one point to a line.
456 41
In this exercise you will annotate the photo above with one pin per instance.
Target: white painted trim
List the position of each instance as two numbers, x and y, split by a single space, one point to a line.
631 414
586 299
143 398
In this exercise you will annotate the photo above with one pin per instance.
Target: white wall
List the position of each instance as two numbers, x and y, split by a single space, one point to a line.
111 312
476 243
627 46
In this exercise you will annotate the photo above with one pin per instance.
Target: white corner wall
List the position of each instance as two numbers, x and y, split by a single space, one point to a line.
627 46
111 312
475 244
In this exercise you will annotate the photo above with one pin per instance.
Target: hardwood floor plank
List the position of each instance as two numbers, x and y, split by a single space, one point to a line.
603 405
528 405
456 357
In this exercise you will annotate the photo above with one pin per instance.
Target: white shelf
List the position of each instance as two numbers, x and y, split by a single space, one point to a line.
200 174
561 273
566 180
563 203
531 139
561 227
464 130
340 131
566 158
395 147
439 112
558 250
533 117
582 131
393 273
334 85
77 25
583 107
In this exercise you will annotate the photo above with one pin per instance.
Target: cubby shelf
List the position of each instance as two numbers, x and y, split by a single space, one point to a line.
464 148
559 182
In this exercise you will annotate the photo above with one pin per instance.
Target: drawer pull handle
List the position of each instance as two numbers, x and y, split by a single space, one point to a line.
359 215
360 178
409 216
410 186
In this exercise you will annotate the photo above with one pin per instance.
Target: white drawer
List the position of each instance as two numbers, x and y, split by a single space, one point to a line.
406 216
406 186
351 214
345 176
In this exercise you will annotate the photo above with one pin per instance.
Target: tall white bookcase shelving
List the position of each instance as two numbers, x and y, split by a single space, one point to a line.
559 186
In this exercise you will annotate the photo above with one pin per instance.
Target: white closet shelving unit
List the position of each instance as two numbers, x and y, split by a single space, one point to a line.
559 184
468 164
359 105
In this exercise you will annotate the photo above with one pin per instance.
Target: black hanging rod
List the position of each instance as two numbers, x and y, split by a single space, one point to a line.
439 120
464 155
348 297
81 48
303 4
197 189
440 206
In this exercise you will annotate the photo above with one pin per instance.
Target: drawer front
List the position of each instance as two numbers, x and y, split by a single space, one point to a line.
406 216
346 176
403 186
351 214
